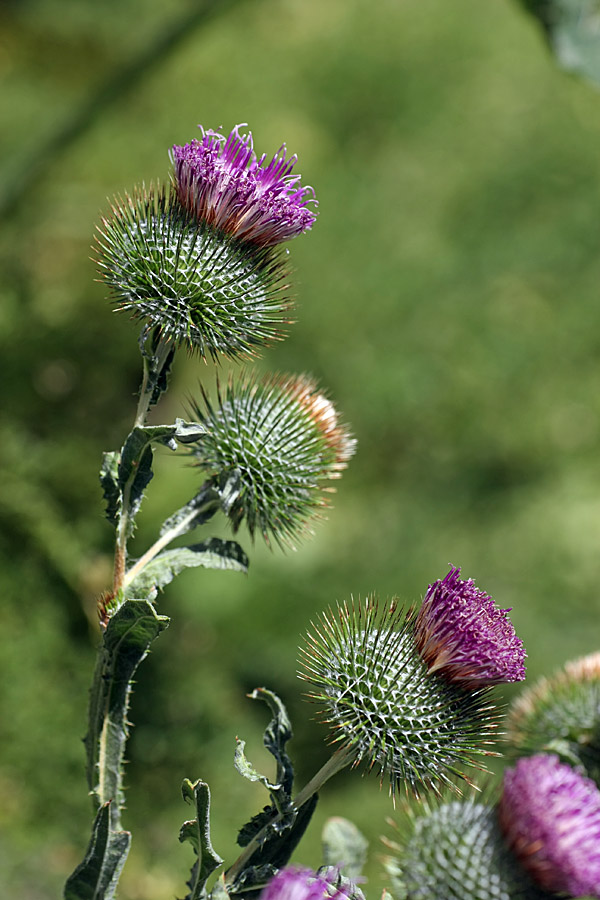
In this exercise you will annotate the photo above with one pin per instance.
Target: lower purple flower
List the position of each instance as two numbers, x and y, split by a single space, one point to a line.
462 634
296 883
550 815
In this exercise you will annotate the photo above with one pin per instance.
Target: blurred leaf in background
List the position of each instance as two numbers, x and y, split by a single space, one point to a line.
447 297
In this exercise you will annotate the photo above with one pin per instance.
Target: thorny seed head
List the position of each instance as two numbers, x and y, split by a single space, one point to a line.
383 705
199 287
286 441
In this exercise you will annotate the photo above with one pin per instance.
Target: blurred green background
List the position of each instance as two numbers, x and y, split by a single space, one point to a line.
447 298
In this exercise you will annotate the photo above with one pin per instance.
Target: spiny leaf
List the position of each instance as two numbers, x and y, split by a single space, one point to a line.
213 553
197 832
109 479
573 32
126 641
198 511
96 877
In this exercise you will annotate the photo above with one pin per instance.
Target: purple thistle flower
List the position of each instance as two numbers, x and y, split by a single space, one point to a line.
295 883
550 815
220 181
462 634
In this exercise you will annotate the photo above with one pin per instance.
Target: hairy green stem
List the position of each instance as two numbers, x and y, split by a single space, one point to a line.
150 377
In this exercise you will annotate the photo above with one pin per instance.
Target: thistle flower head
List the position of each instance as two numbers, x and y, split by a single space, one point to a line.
455 850
221 182
550 815
561 713
462 635
383 705
297 883
199 288
284 438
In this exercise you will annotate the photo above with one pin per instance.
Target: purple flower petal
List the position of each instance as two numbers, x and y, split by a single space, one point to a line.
550 815
296 883
220 181
462 634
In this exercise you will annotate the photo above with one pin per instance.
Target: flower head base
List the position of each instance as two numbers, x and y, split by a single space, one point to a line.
296 883
220 181
550 815
455 850
384 707
285 440
199 288
562 714
462 635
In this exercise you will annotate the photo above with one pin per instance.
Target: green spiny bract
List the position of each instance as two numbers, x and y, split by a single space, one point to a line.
383 705
455 851
200 287
284 439
561 714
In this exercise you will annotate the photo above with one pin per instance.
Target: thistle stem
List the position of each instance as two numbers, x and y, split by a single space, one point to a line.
340 759
152 371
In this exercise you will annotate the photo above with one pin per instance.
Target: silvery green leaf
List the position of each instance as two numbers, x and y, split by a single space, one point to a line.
96 877
213 553
572 29
344 846
197 832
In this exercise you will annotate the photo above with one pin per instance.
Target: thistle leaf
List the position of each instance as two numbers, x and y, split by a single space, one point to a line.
126 641
213 553
344 846
109 479
96 877
197 832
571 28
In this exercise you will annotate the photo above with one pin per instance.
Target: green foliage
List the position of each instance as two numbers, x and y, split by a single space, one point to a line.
344 846
197 832
573 33
97 876
214 553
125 643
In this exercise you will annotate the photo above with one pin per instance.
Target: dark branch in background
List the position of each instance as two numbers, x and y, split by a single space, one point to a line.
38 161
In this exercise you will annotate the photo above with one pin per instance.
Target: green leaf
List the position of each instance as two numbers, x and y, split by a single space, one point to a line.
109 479
283 824
572 28
344 846
197 832
135 461
219 891
96 877
213 553
126 641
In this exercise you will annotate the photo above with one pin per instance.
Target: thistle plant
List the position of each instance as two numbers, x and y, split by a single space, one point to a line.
406 691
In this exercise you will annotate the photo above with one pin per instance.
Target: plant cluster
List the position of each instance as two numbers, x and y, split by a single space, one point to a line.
407 692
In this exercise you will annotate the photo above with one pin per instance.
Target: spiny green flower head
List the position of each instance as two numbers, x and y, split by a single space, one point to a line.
463 635
382 704
221 182
550 816
285 439
455 850
298 883
200 287
562 714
